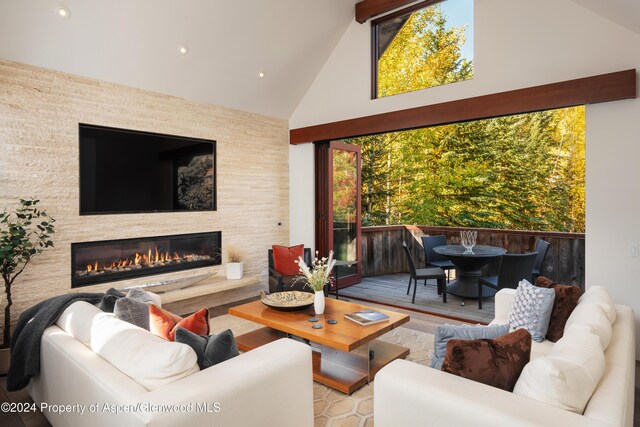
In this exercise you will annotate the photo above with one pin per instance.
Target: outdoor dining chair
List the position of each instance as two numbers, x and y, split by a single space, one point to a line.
541 249
433 259
513 268
424 273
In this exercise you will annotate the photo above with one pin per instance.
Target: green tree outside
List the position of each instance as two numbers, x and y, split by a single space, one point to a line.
423 54
523 172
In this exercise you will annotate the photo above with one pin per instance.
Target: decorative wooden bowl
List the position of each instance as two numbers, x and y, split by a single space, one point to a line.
287 301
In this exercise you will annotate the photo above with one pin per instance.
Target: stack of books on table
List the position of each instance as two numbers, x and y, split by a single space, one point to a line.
367 317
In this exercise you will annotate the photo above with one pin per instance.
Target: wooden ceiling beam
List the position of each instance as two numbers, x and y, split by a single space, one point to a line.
589 90
369 8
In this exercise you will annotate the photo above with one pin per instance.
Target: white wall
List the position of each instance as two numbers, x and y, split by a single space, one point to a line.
522 43
518 43
301 196
613 201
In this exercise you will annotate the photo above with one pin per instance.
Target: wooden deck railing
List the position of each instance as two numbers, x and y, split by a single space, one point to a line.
382 251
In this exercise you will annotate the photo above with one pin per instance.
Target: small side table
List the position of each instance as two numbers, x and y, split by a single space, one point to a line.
341 263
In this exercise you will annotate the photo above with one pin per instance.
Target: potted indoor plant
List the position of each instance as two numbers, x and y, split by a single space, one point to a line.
235 266
316 277
24 233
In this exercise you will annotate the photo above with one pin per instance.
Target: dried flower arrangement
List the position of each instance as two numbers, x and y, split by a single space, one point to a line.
318 274
233 256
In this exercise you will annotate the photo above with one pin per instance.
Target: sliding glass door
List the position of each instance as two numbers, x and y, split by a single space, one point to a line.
338 203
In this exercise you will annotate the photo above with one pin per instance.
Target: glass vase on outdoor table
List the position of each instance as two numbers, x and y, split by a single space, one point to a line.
468 240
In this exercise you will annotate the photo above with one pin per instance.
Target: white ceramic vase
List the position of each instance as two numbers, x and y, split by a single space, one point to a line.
235 270
318 302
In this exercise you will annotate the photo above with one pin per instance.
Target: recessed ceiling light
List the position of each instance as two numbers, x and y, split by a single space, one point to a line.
261 74
63 12
183 50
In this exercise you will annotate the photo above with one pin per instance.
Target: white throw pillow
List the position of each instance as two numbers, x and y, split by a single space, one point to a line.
76 320
590 317
600 295
149 360
568 375
531 309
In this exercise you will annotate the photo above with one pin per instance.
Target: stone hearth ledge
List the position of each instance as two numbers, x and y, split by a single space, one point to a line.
210 292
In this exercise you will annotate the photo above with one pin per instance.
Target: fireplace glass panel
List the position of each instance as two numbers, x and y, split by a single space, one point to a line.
106 261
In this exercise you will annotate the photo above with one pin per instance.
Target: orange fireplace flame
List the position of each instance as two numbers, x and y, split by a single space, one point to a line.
139 260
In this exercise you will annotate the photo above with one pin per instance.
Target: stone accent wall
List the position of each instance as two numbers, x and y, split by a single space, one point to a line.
39 114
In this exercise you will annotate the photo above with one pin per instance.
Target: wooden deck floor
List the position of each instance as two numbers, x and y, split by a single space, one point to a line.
392 290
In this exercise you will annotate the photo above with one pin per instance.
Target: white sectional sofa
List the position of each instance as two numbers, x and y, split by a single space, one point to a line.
407 394
269 386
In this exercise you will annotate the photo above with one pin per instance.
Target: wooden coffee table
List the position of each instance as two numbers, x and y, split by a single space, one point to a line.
346 355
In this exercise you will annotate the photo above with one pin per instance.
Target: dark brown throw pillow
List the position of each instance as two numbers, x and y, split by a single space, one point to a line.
565 301
496 362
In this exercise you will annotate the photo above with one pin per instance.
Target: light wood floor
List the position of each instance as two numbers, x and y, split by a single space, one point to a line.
392 290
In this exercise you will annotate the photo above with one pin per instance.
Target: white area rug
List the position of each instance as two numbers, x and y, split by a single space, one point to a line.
333 408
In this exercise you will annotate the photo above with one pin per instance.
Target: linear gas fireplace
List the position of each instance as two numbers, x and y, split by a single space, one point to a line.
110 260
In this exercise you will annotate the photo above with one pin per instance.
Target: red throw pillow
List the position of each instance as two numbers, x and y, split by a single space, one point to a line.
565 301
164 323
496 362
284 259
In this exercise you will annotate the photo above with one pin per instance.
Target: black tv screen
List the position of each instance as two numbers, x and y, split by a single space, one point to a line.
125 171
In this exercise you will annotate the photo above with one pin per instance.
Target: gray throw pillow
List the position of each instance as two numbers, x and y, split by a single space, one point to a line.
531 309
210 350
134 308
109 299
133 311
140 294
464 332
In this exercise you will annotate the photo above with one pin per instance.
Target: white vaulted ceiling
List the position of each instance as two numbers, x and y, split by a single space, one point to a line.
622 12
136 42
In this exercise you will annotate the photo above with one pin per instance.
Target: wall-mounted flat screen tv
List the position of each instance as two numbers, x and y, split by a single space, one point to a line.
125 171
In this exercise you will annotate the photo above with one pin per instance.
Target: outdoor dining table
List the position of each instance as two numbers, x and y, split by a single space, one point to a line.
468 267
